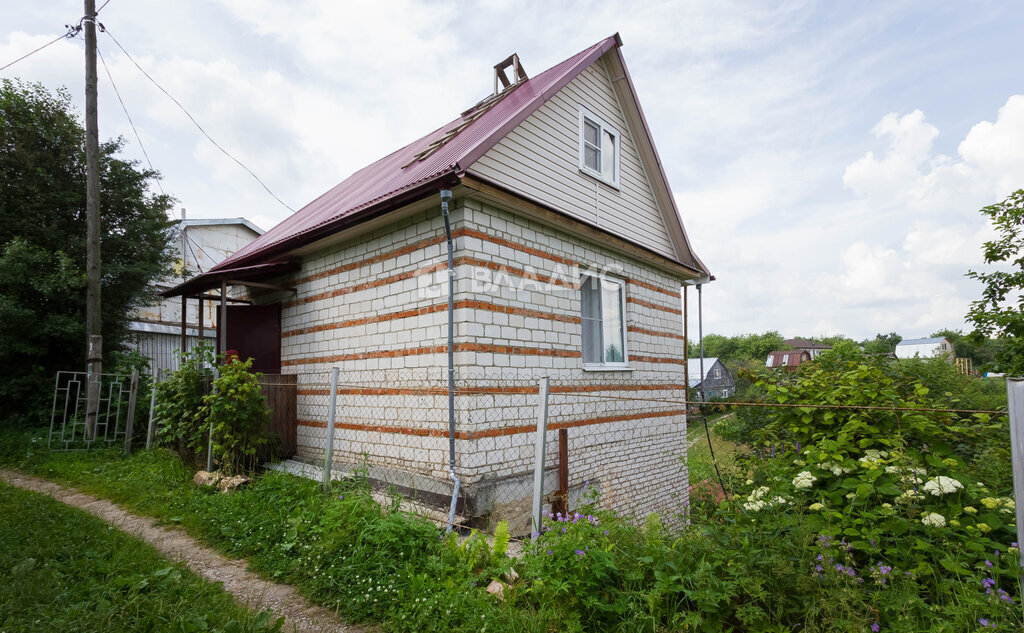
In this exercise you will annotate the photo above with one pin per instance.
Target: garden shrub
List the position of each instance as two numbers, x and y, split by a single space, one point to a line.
237 411
181 424
191 404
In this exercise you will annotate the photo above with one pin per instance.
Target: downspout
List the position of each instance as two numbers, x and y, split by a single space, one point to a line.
446 195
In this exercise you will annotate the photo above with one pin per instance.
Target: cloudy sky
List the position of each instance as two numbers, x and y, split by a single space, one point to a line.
829 159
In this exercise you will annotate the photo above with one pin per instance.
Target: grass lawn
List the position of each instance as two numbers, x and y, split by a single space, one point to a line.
62 569
698 455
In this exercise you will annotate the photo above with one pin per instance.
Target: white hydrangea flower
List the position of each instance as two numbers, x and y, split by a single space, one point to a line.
804 480
934 520
942 486
754 506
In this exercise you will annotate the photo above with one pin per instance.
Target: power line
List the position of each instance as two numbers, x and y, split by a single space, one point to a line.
128 116
196 123
72 31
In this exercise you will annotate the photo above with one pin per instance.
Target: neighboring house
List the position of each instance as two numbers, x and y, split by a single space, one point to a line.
717 382
569 257
200 245
814 348
787 359
938 347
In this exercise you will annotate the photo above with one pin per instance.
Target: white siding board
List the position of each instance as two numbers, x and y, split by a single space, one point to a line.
540 160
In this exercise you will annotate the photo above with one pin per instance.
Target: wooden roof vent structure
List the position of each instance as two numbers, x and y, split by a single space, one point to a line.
518 74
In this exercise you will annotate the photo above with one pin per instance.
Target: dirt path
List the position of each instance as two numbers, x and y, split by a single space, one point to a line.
702 436
248 588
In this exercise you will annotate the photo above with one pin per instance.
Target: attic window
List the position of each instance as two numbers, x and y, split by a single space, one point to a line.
599 148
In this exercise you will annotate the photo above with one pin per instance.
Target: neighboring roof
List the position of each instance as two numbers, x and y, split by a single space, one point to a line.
796 357
802 343
921 341
220 222
693 369
437 160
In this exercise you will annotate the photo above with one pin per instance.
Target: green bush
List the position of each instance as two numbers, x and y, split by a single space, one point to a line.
193 408
238 413
181 424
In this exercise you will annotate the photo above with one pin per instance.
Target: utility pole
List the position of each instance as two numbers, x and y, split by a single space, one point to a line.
94 338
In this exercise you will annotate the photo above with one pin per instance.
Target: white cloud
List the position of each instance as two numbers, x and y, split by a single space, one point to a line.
998 148
910 141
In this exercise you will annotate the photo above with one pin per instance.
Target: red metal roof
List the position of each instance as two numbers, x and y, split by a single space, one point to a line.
399 173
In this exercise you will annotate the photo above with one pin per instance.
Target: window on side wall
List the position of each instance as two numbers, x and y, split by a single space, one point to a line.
599 148
603 301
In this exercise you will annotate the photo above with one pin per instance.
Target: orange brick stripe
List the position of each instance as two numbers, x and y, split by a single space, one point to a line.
391 316
665 291
527 312
552 257
516 247
656 359
518 272
436 349
405 250
513 350
440 307
367 284
640 330
484 391
510 430
467 232
655 306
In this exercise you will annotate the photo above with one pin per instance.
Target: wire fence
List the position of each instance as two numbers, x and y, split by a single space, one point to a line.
601 446
618 445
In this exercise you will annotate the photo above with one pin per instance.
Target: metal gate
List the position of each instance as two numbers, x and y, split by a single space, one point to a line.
114 416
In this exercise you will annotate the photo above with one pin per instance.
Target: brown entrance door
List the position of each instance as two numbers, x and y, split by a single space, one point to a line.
255 332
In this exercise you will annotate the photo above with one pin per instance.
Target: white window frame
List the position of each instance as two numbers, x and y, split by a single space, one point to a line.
587 115
606 365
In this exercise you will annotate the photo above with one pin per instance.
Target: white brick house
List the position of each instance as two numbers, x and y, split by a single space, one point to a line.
569 257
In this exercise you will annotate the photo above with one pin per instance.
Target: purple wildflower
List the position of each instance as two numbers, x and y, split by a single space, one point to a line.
550 552
988 564
875 627
580 552
341 496
606 532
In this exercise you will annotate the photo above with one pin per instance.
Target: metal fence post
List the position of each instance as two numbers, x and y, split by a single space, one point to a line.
209 445
130 424
329 455
541 444
1015 405
151 429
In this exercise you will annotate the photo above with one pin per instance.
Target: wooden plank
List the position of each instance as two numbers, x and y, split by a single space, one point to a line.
280 391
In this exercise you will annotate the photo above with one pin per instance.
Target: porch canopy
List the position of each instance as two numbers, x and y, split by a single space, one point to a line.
259 325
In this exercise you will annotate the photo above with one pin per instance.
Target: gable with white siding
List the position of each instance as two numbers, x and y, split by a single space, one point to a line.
540 160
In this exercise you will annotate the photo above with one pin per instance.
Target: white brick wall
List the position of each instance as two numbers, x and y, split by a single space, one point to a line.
511 330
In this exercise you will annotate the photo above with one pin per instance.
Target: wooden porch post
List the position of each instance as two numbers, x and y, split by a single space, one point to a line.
222 321
184 319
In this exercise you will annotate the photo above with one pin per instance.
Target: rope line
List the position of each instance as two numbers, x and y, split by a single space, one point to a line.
194 122
72 31
129 117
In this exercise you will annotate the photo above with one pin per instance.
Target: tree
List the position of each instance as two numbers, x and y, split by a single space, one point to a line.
882 344
42 243
1000 311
